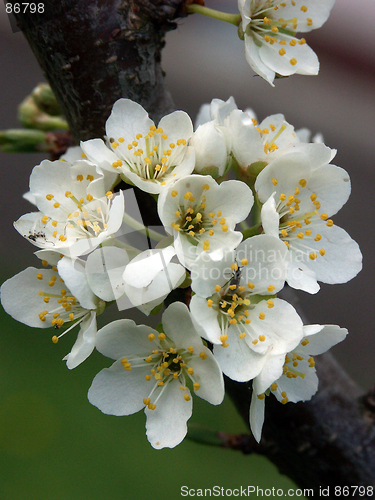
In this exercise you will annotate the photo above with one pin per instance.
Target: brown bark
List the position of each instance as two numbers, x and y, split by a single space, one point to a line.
95 51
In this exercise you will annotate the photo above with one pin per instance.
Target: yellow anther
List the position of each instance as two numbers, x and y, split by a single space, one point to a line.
174 193
261 396
270 288
151 337
273 387
282 52
274 182
285 400
308 232
209 303
270 304
309 21
161 336
217 288
262 316
313 256
303 182
300 235
322 252
324 216
186 397
274 29
329 223
203 355
282 197
196 386
177 213
190 371
55 339
255 341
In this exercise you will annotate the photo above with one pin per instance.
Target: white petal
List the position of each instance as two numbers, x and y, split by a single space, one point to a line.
304 58
247 145
207 318
208 374
179 327
177 125
20 298
104 270
317 10
74 276
324 339
97 152
123 337
85 342
210 144
272 370
166 425
256 416
298 389
144 267
256 63
342 260
237 360
270 217
127 119
116 391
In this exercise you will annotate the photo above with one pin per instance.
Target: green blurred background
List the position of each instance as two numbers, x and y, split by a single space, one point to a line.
53 444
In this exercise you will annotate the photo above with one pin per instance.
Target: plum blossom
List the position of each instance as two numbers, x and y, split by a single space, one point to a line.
45 298
268 28
300 191
151 372
77 211
235 305
294 373
202 215
147 156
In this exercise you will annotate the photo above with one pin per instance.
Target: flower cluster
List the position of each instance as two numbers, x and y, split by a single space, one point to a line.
232 321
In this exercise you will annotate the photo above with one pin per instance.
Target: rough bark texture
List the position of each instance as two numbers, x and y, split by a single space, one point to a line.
95 51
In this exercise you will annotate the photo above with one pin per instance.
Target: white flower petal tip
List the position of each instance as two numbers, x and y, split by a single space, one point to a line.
150 157
201 215
269 28
151 371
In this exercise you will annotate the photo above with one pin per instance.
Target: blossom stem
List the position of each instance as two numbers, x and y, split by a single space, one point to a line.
215 14
138 226
252 231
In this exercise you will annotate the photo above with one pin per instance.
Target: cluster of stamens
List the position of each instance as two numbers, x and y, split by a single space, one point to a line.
233 304
269 145
297 229
193 220
149 156
267 25
90 218
65 306
166 364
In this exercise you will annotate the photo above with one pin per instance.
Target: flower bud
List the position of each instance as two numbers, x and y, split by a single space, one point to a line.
210 142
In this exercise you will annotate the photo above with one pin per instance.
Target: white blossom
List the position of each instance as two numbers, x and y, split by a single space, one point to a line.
202 215
300 191
269 28
77 212
151 371
295 376
235 305
147 156
45 298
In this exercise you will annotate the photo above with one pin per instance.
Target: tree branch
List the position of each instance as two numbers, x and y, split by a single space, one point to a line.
96 51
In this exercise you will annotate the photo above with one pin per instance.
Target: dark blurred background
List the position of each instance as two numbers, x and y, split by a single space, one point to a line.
53 443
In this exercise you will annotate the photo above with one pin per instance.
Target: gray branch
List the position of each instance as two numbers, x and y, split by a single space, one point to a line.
92 53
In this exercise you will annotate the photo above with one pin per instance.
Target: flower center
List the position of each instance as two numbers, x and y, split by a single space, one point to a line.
193 220
298 227
152 156
166 364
